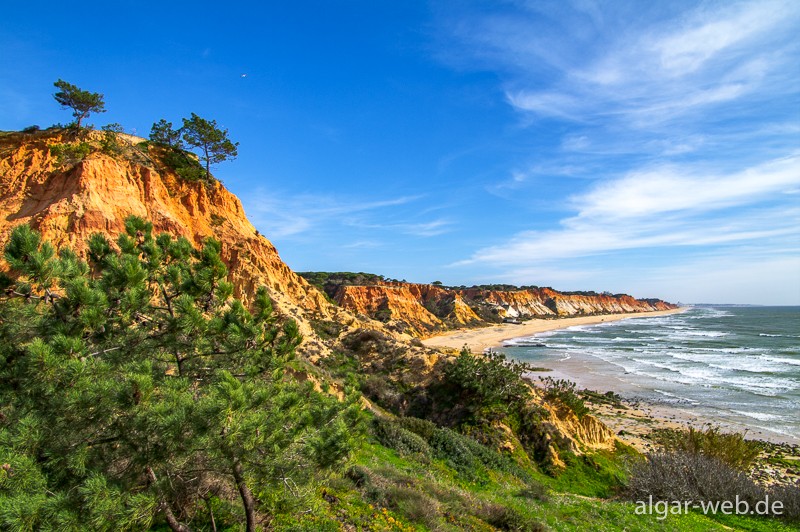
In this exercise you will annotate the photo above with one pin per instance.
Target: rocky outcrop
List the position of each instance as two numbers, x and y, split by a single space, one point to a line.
415 308
67 202
425 309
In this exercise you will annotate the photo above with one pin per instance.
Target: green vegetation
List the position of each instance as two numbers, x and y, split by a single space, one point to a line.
199 133
135 391
730 448
325 279
70 153
563 391
163 134
81 102
110 142
213 142
489 386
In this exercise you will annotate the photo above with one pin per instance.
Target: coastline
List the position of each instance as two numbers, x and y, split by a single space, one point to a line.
478 340
634 418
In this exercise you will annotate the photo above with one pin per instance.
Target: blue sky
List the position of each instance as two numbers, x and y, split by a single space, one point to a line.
651 148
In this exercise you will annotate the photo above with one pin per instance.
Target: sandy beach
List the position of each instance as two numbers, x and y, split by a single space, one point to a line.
478 340
632 419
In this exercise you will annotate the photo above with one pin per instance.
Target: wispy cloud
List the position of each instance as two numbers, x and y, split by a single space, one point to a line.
283 216
664 71
435 227
665 207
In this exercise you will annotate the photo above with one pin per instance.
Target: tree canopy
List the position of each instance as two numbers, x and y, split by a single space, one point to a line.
80 101
162 133
212 142
136 392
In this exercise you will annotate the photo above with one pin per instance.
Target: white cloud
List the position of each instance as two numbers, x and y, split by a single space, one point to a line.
709 33
281 216
675 188
667 207
650 73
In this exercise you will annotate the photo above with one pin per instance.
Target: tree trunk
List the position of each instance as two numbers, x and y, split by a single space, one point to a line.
208 164
247 496
172 521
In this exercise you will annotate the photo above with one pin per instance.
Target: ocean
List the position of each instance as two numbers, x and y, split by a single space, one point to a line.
734 366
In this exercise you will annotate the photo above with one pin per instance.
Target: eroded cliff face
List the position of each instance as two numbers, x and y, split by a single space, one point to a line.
424 309
419 309
67 202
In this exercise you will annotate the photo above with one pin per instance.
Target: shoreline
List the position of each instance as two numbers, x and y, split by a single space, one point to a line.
640 416
478 340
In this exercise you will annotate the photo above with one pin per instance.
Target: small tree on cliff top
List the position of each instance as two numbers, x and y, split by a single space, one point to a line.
213 142
162 133
81 102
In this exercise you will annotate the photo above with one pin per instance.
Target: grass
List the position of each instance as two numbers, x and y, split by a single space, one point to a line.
387 489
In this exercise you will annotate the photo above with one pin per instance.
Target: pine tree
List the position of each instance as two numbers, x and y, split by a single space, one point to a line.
212 142
80 101
135 390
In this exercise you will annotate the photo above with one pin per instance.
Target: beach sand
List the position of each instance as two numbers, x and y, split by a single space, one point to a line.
632 420
478 340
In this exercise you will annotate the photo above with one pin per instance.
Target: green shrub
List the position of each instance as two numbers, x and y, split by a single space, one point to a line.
70 153
110 142
414 505
379 389
508 518
488 386
327 329
183 163
421 427
391 434
563 391
534 492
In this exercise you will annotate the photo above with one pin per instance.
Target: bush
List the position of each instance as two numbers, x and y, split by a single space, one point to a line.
391 434
379 389
421 427
534 492
681 476
470 458
415 506
508 518
110 141
790 497
489 386
183 163
70 153
564 392
730 448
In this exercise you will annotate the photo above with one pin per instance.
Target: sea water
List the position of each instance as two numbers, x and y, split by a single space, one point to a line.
736 366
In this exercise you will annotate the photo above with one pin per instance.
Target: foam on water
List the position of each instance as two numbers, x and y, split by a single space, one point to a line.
709 358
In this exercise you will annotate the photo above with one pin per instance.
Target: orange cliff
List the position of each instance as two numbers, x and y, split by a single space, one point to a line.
69 202
425 309
418 309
